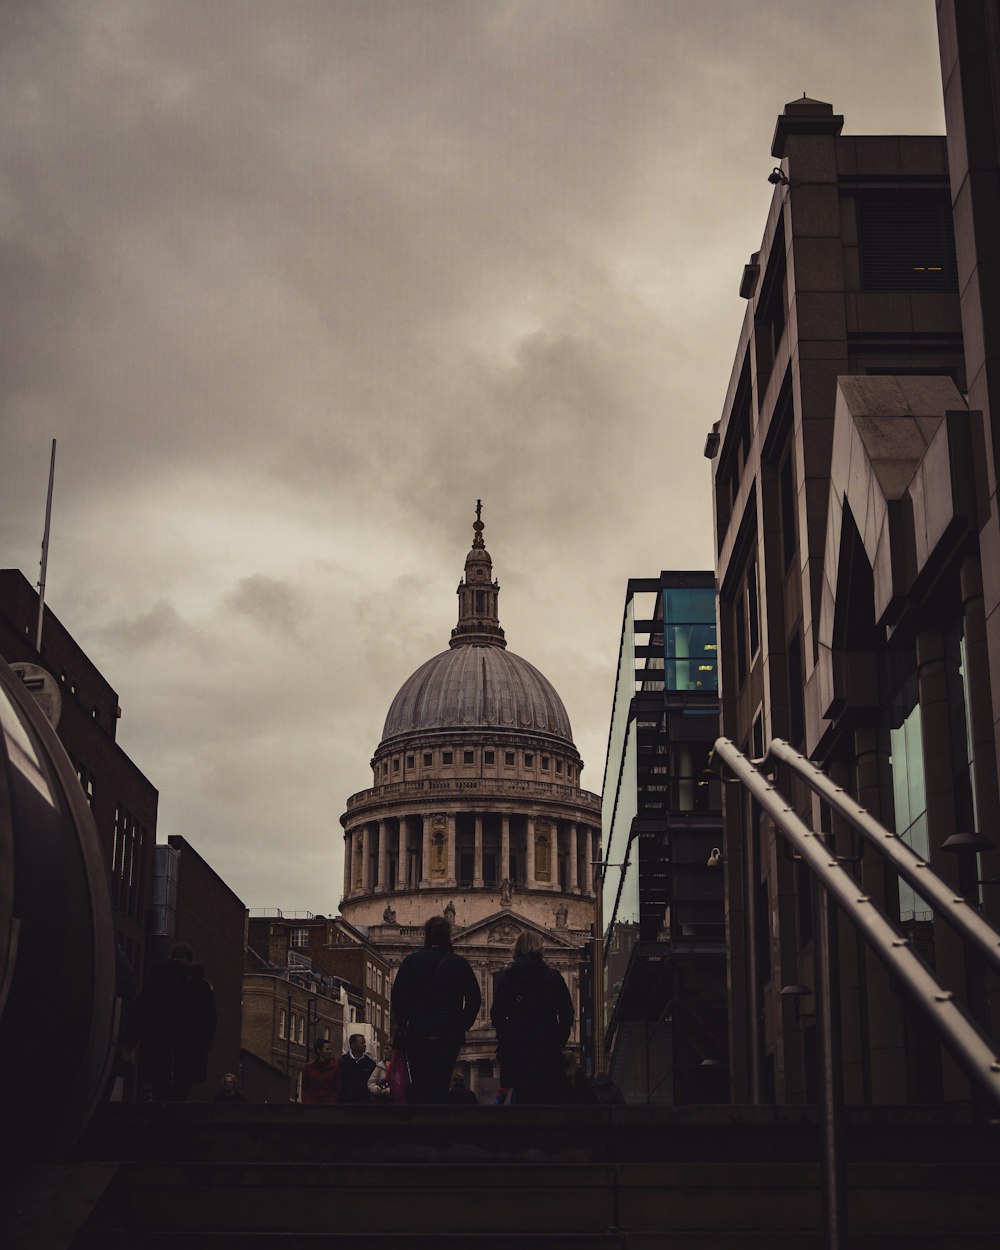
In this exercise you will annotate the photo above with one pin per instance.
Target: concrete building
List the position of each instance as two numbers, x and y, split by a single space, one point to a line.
476 812
123 802
192 904
852 494
663 957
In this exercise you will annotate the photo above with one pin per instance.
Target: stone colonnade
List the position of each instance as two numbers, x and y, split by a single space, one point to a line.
531 850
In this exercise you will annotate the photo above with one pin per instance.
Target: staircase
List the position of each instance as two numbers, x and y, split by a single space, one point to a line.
628 1178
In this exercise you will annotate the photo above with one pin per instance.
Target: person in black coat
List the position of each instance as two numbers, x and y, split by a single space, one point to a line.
435 1000
355 1068
533 1016
176 1016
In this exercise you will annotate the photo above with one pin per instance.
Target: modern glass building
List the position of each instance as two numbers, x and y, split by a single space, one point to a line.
663 959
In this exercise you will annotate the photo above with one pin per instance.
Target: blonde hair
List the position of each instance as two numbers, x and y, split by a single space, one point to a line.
527 944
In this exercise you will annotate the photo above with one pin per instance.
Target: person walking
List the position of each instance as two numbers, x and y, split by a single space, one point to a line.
435 1000
378 1082
229 1090
176 1017
355 1068
321 1081
533 1015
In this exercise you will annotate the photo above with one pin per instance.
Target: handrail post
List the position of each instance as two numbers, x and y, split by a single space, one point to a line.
831 1083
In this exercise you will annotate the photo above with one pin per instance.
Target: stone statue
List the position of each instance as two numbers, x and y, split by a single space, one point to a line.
562 914
449 913
506 890
388 916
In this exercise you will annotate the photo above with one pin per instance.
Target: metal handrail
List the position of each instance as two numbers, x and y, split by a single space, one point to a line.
970 1047
953 908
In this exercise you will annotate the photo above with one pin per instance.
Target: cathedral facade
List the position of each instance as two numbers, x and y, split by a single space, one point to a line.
476 813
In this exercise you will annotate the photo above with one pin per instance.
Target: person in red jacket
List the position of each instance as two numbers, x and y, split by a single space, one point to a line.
321 1076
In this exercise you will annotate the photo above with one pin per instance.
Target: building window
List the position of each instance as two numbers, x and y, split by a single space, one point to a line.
796 697
690 653
508 758
299 938
409 761
488 757
282 1019
909 796
529 759
558 766
446 757
789 524
378 982
301 1032
428 759
467 757
395 764
385 768
545 763
906 240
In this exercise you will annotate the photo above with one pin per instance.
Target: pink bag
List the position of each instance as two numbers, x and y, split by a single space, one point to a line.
399 1076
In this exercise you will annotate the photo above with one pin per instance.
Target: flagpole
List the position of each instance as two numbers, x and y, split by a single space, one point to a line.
45 550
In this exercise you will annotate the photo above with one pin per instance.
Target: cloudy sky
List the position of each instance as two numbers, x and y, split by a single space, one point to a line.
294 283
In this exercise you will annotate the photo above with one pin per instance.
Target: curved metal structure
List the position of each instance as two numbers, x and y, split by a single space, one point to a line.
58 1017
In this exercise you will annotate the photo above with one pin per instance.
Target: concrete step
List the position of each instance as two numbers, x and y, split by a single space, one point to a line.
131 1239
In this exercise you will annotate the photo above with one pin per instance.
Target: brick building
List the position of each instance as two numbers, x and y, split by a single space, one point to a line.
191 903
337 950
122 800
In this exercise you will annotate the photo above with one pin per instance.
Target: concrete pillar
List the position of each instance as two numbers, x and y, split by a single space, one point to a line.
935 726
588 860
529 853
402 854
886 1046
477 872
382 880
574 880
348 860
452 835
425 862
504 846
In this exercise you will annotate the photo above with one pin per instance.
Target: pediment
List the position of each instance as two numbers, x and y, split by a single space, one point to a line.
503 928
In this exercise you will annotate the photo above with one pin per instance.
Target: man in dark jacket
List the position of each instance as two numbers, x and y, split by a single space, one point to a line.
176 1014
435 1000
533 1016
355 1068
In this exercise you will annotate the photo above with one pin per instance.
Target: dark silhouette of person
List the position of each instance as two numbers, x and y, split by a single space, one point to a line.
176 1026
459 1095
321 1078
606 1091
578 1090
229 1090
533 1015
435 1000
355 1069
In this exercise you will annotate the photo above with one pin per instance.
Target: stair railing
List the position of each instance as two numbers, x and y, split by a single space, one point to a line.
971 1049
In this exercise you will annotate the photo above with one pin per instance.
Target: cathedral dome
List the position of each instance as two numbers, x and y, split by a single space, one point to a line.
477 686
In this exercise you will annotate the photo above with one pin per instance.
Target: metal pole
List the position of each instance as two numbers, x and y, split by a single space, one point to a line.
831 1100
45 550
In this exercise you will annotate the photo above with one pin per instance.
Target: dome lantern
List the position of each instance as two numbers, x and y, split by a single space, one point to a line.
478 622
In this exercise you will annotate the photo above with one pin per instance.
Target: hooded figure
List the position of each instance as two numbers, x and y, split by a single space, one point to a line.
533 1016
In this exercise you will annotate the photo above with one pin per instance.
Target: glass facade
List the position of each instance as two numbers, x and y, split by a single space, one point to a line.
690 650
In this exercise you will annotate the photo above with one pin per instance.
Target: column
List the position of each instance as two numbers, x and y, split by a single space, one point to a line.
935 724
505 847
348 860
477 872
588 861
452 835
382 882
574 880
529 853
425 862
366 858
402 855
